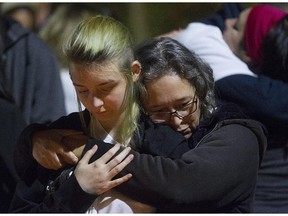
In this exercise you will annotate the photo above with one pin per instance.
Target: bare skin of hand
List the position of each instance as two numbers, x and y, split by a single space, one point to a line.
96 177
54 148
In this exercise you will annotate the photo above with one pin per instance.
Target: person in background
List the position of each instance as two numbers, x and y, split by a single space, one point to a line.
29 88
55 32
31 74
219 170
258 83
13 123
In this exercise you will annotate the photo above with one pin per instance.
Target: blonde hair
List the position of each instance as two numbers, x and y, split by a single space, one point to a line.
100 40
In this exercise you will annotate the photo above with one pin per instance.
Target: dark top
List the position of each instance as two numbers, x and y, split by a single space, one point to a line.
217 174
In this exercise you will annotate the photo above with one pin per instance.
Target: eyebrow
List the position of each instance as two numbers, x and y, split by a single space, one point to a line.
101 84
181 100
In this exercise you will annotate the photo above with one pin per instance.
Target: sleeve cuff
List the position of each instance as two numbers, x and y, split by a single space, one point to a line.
73 197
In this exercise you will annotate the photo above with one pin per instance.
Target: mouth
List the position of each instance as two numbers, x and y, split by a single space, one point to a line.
100 113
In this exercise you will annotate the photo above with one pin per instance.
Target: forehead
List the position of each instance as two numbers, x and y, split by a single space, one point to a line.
242 19
88 72
168 89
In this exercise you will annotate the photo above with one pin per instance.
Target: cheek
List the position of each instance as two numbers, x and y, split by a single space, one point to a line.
233 39
195 119
114 101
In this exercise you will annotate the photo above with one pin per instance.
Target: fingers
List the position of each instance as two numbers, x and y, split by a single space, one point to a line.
50 161
87 156
118 166
69 157
109 154
119 181
119 158
118 163
55 163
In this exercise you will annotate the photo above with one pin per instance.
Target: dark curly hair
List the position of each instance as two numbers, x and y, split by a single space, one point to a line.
163 56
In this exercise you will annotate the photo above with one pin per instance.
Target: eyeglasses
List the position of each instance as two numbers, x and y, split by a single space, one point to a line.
185 111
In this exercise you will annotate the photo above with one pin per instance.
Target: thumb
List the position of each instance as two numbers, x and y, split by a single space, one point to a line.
69 157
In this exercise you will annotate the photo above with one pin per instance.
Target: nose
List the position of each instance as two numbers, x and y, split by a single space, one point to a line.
175 121
96 102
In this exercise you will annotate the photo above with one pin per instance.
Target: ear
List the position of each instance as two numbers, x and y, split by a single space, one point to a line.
136 70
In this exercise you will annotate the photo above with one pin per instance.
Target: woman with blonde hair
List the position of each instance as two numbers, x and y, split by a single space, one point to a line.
103 71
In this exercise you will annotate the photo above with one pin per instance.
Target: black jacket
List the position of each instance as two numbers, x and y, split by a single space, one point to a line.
218 174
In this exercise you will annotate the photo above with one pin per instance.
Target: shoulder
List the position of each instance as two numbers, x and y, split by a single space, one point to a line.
72 121
244 137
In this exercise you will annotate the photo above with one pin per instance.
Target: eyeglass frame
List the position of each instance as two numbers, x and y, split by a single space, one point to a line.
176 112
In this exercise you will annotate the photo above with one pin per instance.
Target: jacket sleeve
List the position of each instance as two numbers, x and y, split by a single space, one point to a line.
30 195
221 170
269 97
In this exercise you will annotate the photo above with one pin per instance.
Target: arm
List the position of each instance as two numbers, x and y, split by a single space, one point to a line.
23 155
204 174
193 168
30 195
227 11
77 191
269 97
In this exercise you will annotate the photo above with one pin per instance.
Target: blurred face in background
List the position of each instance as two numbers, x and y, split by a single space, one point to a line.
25 17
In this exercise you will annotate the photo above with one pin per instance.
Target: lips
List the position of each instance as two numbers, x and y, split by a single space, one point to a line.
99 114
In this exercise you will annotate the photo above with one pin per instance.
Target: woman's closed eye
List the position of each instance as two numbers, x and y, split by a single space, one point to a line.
105 90
82 91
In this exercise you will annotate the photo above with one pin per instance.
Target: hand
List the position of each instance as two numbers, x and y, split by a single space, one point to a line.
96 177
53 148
